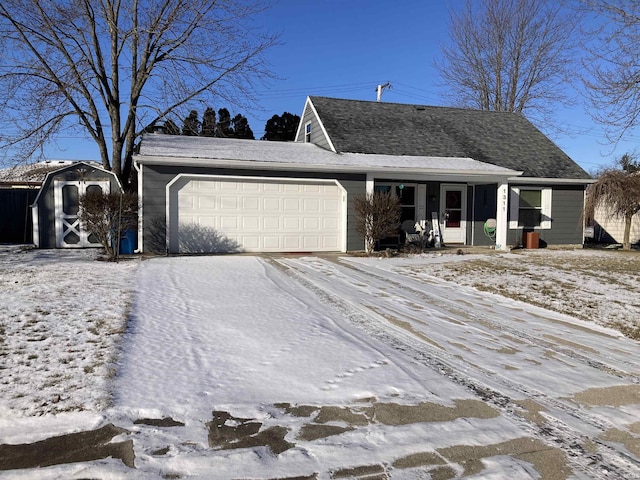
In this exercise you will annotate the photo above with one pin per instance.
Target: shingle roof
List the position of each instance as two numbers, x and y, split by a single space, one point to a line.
158 149
504 139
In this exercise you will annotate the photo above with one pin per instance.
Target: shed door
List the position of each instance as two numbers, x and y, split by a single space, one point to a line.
69 231
256 215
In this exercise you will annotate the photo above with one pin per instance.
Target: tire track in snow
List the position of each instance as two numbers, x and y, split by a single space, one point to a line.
313 274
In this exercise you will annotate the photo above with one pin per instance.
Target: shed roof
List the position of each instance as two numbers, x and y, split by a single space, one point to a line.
32 173
503 139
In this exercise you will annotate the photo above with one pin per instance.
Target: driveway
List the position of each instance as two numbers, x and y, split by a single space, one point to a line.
325 367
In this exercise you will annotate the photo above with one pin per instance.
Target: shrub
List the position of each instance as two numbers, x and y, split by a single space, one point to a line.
377 216
107 216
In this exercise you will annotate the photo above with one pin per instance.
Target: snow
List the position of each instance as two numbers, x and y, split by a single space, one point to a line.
202 151
406 364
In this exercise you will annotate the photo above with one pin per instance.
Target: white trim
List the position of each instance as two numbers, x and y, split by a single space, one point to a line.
421 202
188 176
35 225
552 181
386 172
60 217
545 200
324 130
140 248
501 216
307 132
462 237
309 104
370 183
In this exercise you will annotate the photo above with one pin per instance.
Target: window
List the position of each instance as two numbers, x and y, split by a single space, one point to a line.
530 208
307 133
407 196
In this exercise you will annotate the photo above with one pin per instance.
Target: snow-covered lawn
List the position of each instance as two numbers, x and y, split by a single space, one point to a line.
600 286
62 314
278 367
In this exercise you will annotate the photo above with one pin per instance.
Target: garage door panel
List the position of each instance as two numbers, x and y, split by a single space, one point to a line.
262 214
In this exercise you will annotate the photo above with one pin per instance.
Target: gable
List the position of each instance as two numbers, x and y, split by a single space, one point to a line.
504 139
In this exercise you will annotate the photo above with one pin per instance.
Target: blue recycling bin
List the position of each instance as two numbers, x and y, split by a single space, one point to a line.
128 242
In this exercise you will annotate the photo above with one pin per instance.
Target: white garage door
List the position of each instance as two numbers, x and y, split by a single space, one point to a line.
258 215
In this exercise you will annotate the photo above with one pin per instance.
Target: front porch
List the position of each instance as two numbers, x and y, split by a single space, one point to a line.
455 209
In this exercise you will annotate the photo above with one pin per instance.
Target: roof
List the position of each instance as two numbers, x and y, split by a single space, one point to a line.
160 149
503 139
30 173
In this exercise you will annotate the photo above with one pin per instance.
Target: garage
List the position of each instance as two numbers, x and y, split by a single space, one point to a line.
209 214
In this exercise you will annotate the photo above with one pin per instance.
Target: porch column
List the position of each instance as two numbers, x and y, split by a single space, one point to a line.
501 216
370 183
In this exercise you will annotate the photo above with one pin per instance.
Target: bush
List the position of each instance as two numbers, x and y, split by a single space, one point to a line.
377 216
107 216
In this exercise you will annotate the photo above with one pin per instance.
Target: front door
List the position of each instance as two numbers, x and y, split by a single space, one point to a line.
453 213
69 231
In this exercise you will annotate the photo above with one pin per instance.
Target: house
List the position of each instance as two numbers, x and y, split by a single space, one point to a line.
55 208
461 167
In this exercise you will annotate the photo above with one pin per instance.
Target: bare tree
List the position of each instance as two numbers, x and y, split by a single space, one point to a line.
612 65
509 55
377 216
616 192
112 68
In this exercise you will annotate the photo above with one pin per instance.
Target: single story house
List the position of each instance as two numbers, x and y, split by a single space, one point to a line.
55 208
460 167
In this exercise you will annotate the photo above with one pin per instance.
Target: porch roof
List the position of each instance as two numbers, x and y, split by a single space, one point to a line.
174 150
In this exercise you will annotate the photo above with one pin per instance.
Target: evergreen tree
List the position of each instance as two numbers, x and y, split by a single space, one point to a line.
241 128
281 128
208 123
224 124
191 125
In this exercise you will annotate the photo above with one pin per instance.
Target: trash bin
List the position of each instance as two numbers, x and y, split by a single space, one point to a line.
531 240
128 242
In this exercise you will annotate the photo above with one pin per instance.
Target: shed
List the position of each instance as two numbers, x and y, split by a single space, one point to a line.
55 209
19 186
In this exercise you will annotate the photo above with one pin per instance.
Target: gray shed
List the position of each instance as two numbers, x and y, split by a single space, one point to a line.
55 209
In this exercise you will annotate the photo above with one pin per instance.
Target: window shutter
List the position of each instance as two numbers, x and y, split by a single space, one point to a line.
514 206
546 208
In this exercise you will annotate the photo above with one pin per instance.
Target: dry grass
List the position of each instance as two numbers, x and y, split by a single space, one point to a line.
602 286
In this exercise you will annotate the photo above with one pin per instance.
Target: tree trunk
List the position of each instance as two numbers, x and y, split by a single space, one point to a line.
626 242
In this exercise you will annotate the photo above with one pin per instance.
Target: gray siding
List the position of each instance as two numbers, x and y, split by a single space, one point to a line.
317 135
155 179
485 207
567 203
46 199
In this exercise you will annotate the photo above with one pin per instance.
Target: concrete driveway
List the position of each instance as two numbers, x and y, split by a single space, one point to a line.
322 367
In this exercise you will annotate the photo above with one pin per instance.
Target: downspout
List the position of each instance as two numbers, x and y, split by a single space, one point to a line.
140 224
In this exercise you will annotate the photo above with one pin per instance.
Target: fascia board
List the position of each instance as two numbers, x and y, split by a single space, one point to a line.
306 104
385 172
552 181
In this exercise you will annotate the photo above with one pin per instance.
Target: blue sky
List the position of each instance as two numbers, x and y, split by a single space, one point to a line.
345 48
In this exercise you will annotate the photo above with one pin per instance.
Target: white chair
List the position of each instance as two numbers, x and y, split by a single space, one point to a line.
412 235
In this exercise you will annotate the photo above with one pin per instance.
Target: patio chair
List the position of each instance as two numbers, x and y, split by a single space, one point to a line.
412 235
